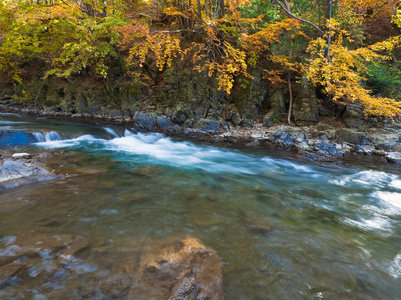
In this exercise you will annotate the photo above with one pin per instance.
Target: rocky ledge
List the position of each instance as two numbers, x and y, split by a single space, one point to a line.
21 168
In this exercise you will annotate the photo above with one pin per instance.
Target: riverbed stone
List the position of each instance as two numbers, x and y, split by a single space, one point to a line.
256 223
180 269
16 173
9 272
23 155
394 157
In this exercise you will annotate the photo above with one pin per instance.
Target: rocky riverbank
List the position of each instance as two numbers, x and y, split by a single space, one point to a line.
325 141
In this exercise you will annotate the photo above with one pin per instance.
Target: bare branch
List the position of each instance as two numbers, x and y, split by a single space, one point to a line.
174 31
299 19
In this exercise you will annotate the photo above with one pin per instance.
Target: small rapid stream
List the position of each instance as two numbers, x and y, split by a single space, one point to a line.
334 231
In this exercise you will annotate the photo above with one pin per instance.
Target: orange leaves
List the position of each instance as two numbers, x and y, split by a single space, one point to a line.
162 47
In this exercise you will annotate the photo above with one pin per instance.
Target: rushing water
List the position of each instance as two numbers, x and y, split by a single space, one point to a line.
335 230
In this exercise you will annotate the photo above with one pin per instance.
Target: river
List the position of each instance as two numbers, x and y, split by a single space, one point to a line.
334 230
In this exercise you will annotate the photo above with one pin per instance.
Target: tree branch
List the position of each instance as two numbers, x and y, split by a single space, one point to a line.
299 19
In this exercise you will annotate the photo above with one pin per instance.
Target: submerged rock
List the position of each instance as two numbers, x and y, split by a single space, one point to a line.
180 269
257 223
394 157
16 173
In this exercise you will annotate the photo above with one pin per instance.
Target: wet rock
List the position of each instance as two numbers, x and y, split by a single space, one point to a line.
394 157
16 173
253 144
163 122
366 149
179 269
8 272
183 289
8 138
207 125
78 243
386 146
202 220
257 223
146 121
31 246
257 134
379 152
149 171
21 155
180 117
282 139
329 149
351 136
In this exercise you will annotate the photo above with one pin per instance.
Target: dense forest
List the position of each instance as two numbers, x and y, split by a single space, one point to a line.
348 49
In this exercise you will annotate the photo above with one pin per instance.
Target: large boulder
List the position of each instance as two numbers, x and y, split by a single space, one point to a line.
8 138
15 173
394 157
180 269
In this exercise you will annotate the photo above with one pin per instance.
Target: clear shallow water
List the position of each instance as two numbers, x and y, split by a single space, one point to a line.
335 231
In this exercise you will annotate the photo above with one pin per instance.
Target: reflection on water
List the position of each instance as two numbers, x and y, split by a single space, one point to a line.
283 228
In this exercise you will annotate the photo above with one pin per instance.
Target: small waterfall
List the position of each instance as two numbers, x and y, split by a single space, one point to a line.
47 137
53 136
111 131
40 137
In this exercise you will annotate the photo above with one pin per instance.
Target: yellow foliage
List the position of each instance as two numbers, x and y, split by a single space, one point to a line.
343 71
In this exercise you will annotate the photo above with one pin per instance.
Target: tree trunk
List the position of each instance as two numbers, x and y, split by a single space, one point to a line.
291 100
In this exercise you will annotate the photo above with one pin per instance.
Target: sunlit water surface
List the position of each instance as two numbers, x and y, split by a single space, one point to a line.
336 231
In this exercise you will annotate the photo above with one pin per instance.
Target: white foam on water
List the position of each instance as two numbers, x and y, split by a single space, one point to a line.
396 183
366 178
128 133
182 154
376 223
10 114
395 267
53 144
391 198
